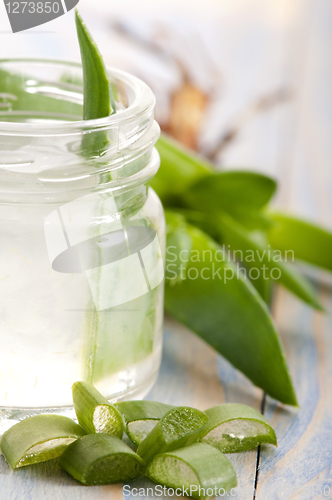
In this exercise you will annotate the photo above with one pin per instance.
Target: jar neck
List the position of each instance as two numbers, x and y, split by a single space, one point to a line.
46 159
30 189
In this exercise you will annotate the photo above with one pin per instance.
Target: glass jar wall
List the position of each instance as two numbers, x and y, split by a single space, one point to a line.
82 239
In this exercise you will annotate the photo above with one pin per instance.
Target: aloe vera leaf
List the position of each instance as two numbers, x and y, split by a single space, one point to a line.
107 353
20 87
229 315
130 339
134 333
235 427
178 169
94 412
209 224
230 189
177 245
101 459
179 427
240 239
97 92
309 242
199 469
39 438
141 417
97 102
263 286
183 174
251 219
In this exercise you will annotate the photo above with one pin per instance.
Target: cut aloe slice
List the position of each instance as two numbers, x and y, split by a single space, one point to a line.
236 427
138 430
198 470
101 459
141 417
37 439
94 412
179 427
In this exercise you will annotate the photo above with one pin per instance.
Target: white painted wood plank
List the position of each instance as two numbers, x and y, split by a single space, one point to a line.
309 179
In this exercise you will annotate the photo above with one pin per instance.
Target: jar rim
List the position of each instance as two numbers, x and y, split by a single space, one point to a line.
143 103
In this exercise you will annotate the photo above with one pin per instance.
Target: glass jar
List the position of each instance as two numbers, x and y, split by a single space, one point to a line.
82 239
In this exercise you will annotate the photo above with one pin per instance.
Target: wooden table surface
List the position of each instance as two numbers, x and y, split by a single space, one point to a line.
294 144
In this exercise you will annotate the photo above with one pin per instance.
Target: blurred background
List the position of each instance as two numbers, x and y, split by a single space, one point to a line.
246 83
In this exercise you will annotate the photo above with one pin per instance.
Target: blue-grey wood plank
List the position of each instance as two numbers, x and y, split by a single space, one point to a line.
301 465
301 468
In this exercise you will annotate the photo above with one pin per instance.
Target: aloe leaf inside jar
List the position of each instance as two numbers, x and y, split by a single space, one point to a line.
131 267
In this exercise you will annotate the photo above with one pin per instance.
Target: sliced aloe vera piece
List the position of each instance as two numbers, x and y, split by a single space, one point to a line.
94 412
141 417
179 427
101 459
138 430
198 470
141 410
235 427
37 439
